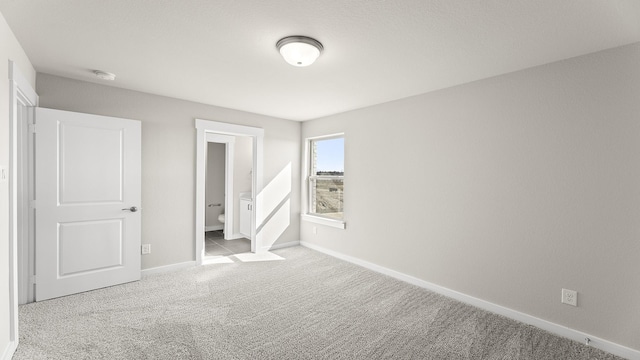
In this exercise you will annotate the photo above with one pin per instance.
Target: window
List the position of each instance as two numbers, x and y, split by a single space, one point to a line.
326 177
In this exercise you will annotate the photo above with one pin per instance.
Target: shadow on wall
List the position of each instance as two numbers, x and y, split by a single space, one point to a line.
274 208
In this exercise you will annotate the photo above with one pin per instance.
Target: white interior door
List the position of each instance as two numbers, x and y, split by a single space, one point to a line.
87 194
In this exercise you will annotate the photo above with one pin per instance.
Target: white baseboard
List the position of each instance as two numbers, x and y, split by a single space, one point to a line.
282 245
236 236
168 268
213 227
553 328
8 352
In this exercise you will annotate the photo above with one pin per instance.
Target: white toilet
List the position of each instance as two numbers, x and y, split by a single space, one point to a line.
221 218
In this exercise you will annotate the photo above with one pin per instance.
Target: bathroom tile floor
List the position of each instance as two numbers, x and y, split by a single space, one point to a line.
216 245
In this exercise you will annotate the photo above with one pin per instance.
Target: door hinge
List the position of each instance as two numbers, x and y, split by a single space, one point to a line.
32 280
32 128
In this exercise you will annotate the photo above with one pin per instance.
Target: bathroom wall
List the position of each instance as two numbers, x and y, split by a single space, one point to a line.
215 185
243 160
168 156
505 189
10 49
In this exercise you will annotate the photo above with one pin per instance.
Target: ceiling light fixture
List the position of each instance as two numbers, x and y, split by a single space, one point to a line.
299 50
104 75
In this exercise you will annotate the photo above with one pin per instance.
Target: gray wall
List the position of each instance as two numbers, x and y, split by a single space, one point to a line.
168 156
506 189
10 49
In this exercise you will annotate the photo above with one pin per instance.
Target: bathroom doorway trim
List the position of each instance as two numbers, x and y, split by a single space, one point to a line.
204 127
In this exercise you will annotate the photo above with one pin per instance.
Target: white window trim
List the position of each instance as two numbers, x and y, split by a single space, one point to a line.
306 216
338 224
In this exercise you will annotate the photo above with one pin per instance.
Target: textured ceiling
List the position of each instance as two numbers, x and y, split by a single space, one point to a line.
223 52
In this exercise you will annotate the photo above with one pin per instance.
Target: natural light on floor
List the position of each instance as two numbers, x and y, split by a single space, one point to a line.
244 257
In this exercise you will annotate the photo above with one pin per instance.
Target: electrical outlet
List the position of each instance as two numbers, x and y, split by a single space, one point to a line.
3 174
146 249
570 297
315 230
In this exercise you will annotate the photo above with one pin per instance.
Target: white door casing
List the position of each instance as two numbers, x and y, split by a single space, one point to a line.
22 99
87 183
205 127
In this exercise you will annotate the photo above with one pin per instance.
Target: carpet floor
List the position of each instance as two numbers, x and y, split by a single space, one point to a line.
309 306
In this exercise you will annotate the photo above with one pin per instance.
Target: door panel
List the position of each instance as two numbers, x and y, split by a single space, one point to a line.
89 245
82 178
87 177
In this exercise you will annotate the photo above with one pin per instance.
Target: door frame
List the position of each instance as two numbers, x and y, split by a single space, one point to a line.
204 127
229 142
19 90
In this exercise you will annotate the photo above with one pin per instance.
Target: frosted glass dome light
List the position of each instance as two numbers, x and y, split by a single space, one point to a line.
299 50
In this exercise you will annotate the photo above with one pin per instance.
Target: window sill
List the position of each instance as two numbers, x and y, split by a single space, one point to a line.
338 224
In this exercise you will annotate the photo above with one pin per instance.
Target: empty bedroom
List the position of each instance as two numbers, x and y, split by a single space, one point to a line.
296 179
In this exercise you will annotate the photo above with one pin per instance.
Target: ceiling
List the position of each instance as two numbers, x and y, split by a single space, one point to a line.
223 52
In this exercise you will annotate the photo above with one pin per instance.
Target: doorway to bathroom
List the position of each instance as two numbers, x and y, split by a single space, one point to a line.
243 182
219 148
228 194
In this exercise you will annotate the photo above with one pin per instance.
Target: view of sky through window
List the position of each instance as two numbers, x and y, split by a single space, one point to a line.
330 155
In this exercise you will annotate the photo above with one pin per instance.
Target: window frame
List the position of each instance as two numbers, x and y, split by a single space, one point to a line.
309 178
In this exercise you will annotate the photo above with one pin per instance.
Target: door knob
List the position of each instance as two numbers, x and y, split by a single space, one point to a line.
132 209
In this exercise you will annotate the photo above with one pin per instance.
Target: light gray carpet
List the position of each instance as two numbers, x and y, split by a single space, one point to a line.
310 306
